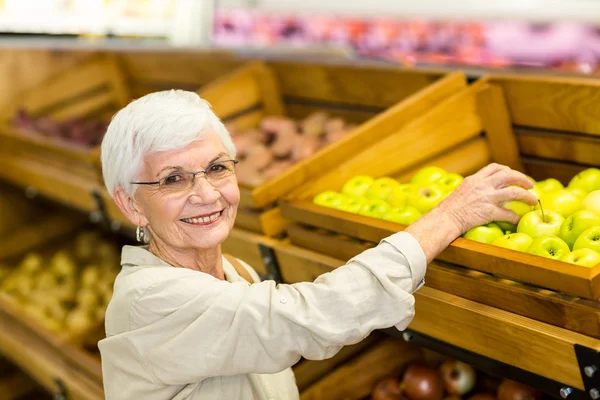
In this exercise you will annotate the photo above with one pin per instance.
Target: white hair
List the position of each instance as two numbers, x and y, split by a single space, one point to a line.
161 121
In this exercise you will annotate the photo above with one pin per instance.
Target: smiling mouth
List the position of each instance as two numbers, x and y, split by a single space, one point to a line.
206 219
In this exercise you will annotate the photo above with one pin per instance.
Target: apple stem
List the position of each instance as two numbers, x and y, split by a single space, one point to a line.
542 209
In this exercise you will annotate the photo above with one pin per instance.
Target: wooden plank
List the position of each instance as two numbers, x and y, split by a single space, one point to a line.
249 219
358 377
492 108
244 244
580 149
272 222
85 107
374 86
308 372
300 265
465 159
399 122
567 104
325 242
523 267
500 335
16 385
540 169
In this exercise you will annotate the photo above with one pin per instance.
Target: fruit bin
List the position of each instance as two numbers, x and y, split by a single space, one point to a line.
500 338
543 105
60 122
380 99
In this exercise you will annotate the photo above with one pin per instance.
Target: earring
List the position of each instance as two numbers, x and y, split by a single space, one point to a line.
140 234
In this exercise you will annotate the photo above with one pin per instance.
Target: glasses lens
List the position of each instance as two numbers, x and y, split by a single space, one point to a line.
219 170
176 182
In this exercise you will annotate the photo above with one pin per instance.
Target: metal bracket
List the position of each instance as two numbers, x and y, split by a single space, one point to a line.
589 366
270 261
60 390
493 367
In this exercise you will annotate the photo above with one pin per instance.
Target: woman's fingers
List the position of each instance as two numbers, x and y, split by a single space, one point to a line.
489 170
502 214
513 193
507 177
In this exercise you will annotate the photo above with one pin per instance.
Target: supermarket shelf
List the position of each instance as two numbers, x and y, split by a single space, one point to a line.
500 337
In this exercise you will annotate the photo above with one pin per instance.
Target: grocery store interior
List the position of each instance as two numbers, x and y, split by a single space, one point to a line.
410 203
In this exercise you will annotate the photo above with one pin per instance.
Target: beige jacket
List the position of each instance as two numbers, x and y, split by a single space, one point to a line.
175 333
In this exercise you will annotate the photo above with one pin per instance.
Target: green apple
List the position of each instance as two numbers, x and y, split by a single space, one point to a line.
576 223
537 223
329 199
357 186
519 208
428 175
404 216
352 204
381 188
590 239
514 241
424 198
374 208
562 201
449 182
592 202
484 233
584 257
399 194
548 186
549 246
587 180
577 192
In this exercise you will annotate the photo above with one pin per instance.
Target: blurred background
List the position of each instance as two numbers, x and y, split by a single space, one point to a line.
562 35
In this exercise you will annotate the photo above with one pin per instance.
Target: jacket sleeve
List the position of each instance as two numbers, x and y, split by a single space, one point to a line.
193 326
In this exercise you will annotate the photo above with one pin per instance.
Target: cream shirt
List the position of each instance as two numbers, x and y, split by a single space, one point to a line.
175 333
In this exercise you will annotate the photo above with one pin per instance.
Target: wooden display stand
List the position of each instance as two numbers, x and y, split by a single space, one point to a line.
382 100
402 155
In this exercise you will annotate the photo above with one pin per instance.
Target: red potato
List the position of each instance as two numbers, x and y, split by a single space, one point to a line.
48 127
284 143
334 136
314 124
244 142
305 147
334 124
258 157
276 125
276 168
257 135
247 175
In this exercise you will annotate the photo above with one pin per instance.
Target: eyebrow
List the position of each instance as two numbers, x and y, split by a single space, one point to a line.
177 168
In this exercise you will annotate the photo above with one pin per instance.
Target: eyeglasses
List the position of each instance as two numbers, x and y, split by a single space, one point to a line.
180 181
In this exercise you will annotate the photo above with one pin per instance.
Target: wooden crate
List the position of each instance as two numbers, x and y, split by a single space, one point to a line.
467 323
92 89
456 125
382 100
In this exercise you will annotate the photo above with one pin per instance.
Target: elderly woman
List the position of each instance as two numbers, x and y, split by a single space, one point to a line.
184 323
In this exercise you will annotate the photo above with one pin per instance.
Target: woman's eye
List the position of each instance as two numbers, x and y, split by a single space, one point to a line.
217 168
172 179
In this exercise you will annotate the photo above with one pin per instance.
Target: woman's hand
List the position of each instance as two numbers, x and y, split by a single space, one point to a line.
477 201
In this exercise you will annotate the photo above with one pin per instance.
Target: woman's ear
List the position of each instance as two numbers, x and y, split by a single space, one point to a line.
129 207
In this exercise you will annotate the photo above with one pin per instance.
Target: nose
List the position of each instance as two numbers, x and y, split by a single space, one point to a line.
203 192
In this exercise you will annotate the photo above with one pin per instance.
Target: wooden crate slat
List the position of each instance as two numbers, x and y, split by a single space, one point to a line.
357 378
244 245
568 104
541 169
565 147
87 106
350 84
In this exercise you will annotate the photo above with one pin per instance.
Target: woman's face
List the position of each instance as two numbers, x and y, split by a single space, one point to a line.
200 217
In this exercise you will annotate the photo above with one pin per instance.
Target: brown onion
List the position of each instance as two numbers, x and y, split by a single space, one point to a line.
388 389
458 377
422 383
511 390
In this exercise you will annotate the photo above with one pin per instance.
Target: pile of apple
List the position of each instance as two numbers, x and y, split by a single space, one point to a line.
386 198
565 225
87 133
450 380
66 290
280 142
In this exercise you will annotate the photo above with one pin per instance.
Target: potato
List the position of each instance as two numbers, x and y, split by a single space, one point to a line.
90 276
305 147
248 175
334 124
314 124
334 136
62 264
78 321
31 264
277 125
284 143
86 298
243 143
276 168
258 157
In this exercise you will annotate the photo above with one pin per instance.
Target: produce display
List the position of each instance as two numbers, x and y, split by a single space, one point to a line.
449 380
86 133
280 142
565 225
65 290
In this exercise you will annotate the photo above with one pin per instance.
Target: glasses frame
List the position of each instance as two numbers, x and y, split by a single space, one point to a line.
187 172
